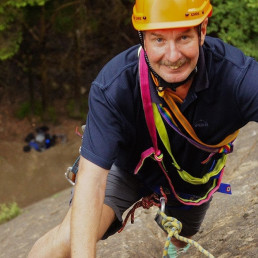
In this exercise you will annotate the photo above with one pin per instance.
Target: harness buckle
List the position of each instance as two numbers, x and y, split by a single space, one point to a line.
70 176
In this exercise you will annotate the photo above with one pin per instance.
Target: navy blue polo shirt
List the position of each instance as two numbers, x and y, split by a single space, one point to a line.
223 98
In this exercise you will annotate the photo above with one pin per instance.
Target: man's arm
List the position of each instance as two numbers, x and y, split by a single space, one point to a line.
87 208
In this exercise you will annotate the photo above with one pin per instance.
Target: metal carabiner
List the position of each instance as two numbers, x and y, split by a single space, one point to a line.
68 175
158 217
162 204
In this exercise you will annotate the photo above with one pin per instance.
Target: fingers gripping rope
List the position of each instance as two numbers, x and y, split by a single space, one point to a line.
173 228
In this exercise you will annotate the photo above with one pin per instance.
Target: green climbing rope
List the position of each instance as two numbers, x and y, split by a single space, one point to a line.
173 227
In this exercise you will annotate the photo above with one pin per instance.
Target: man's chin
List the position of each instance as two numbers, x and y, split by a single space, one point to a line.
177 79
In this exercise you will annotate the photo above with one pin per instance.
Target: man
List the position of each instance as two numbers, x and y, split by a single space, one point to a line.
201 92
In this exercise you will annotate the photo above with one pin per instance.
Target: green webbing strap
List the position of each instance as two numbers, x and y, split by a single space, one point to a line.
183 174
162 130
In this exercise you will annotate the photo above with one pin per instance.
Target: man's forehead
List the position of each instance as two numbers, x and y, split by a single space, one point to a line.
161 32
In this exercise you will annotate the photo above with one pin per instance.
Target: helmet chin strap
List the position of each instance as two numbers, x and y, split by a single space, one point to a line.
162 83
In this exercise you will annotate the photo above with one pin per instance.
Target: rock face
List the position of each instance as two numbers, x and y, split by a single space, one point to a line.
229 229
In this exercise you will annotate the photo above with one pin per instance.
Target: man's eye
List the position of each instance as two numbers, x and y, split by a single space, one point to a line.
159 40
184 37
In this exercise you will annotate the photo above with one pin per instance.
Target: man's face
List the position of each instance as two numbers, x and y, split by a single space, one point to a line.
173 53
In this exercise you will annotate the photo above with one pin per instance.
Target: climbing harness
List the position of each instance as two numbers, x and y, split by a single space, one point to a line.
154 122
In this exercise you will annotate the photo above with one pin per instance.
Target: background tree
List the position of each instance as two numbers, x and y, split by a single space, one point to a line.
11 20
50 51
62 44
236 22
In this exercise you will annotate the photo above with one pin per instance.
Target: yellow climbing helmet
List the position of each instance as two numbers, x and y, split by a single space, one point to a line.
164 14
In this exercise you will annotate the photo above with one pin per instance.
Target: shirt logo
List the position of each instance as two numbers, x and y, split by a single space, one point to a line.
200 124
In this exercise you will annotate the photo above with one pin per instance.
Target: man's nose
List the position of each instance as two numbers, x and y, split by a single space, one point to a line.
172 52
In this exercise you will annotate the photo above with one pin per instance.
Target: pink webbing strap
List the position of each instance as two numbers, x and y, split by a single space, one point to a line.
146 101
147 153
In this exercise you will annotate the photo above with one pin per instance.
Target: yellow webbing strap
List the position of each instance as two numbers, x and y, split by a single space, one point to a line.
183 174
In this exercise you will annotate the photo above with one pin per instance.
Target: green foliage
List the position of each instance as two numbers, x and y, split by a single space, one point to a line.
27 110
68 41
23 111
64 20
9 47
8 211
24 3
71 109
11 21
236 22
10 32
51 114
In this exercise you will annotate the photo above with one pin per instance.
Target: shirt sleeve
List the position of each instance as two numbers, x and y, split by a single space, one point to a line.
103 130
247 93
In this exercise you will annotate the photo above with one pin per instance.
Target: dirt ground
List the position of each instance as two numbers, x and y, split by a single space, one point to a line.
30 177
229 229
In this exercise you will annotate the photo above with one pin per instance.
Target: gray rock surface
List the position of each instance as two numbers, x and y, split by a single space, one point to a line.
229 229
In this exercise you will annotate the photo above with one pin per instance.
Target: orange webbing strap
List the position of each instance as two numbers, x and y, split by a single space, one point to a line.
170 99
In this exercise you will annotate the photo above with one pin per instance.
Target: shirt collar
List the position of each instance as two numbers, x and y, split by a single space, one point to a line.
201 80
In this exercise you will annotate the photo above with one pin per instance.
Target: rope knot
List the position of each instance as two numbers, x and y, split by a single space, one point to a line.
158 156
170 224
173 228
145 202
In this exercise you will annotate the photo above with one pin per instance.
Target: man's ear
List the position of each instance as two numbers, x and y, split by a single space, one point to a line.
204 30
